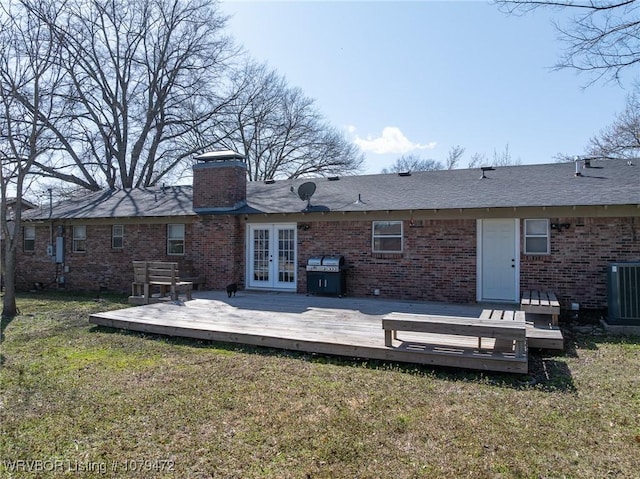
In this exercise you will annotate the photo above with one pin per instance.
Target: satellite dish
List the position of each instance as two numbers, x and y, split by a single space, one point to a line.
306 191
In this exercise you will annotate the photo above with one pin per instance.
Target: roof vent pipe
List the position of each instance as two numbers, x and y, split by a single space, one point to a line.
484 170
577 162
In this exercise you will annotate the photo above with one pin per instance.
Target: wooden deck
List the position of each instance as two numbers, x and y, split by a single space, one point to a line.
349 327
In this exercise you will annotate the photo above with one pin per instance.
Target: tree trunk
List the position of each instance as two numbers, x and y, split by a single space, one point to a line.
9 308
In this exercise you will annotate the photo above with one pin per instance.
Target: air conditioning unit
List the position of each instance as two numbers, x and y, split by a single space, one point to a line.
624 293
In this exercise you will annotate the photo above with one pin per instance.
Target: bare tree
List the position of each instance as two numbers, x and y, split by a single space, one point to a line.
504 158
603 37
29 78
141 90
280 130
413 163
454 156
500 158
477 160
146 86
621 139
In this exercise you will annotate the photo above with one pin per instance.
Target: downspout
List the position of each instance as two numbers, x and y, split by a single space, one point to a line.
51 238
50 215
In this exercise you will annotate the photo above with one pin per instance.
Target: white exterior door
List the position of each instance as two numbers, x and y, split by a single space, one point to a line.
271 257
498 260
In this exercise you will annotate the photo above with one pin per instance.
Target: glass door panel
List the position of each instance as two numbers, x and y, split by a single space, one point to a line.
272 256
286 256
260 255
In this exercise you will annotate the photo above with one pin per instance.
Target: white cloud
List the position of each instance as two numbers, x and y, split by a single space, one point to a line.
392 140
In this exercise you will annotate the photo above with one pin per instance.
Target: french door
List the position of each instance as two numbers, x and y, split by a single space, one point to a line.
271 257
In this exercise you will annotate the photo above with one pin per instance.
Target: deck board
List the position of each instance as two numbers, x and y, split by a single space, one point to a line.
339 326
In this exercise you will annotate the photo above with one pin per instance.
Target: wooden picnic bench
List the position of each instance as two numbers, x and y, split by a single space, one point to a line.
158 273
541 302
513 330
503 315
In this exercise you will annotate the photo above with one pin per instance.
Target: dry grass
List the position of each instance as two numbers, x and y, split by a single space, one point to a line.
147 406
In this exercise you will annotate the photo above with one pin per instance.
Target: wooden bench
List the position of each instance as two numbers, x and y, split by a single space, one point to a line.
514 330
541 302
502 315
198 281
158 273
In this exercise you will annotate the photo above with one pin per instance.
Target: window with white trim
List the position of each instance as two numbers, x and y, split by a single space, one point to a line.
175 239
386 237
536 236
79 239
117 236
29 238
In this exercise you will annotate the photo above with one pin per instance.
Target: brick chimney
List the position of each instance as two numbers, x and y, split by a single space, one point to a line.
219 182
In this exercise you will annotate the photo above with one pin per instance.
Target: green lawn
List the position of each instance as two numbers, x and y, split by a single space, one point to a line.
85 401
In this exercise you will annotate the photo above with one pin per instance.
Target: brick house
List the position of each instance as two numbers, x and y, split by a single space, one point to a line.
9 206
457 236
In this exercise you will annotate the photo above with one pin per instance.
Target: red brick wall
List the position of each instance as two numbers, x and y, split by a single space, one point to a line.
35 266
218 250
101 265
439 259
576 269
438 262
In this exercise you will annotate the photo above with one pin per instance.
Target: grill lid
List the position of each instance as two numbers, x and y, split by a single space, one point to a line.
314 261
333 261
332 264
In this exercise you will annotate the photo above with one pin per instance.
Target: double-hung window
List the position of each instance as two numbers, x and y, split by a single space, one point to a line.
29 238
175 239
79 239
387 237
117 236
536 236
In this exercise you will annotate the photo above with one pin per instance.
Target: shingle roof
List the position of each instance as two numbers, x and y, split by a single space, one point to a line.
607 182
140 202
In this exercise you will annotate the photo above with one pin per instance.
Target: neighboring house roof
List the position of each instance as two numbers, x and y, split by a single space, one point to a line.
607 182
11 204
26 205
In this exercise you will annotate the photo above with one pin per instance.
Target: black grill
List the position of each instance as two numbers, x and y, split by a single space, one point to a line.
326 275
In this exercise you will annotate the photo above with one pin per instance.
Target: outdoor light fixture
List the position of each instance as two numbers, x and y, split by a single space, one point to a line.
560 226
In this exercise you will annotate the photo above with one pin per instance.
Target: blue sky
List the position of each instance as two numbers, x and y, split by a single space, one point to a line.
419 77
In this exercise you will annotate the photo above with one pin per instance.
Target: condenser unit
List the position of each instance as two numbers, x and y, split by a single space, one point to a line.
624 293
